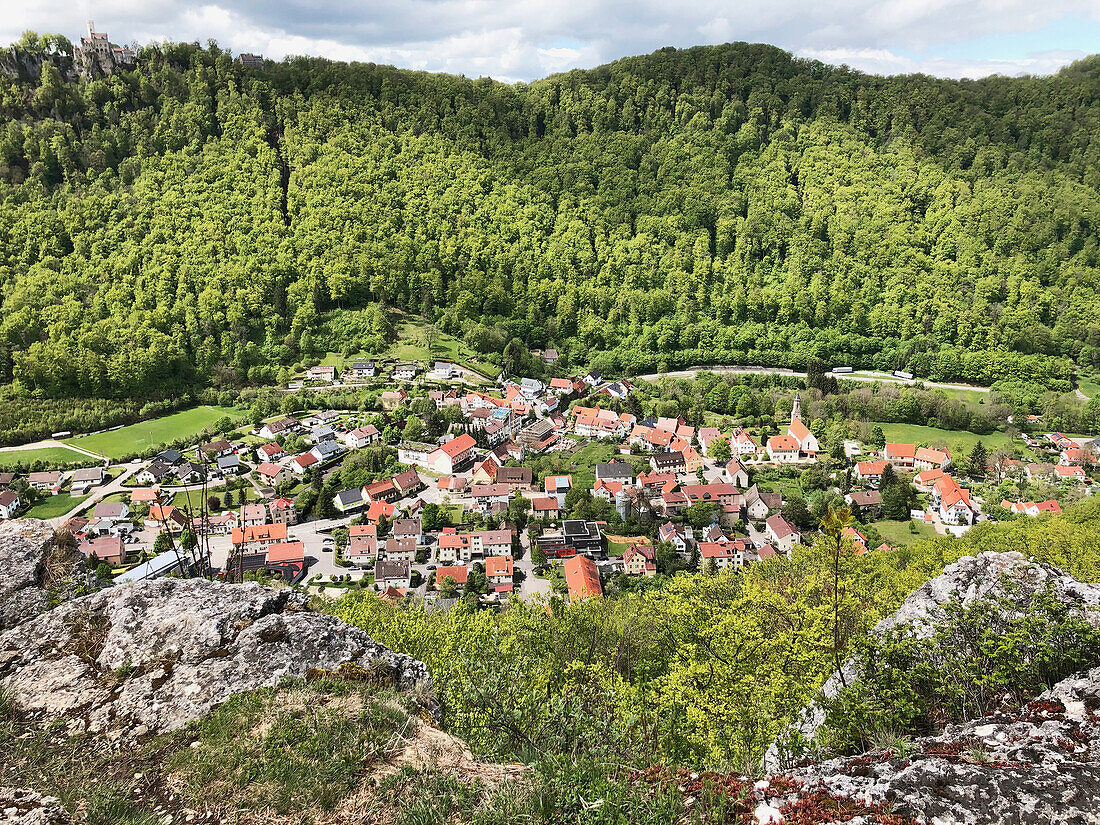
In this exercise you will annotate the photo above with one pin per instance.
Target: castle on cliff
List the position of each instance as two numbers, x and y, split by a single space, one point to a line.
95 54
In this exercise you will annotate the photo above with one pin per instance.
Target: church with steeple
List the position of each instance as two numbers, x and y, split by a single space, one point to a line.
807 441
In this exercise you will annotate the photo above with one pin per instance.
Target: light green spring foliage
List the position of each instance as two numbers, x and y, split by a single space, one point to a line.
704 671
708 666
193 221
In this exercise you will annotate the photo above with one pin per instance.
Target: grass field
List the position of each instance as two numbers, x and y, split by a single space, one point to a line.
958 441
54 506
411 346
1089 385
582 463
617 548
180 499
898 534
135 438
51 456
455 514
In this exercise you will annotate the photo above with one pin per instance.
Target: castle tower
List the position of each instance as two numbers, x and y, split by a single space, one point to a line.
796 408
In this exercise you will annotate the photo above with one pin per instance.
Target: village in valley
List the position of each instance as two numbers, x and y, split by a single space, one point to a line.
444 482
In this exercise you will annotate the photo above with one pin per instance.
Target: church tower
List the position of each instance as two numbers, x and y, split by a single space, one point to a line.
796 408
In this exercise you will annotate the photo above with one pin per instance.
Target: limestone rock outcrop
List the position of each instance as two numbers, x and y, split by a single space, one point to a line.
36 571
151 656
1036 764
19 806
1040 764
984 577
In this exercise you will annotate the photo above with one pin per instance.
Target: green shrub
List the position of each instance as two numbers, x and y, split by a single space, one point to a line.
980 655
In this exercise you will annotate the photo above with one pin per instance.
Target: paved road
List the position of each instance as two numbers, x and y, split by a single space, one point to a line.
117 486
863 375
98 495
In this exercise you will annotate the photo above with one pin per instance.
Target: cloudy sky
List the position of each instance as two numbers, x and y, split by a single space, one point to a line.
527 39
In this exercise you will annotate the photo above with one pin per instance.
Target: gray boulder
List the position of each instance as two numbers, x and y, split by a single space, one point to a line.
984 577
36 571
152 656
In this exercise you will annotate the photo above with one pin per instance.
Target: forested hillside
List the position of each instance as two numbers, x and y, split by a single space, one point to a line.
192 222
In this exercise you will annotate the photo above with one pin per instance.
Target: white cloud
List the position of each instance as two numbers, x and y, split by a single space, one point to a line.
529 38
883 61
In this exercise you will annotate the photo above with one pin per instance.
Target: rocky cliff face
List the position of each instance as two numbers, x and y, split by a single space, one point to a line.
37 571
149 657
985 577
26 67
1038 764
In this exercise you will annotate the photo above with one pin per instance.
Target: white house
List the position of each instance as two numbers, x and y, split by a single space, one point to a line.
453 454
327 450
443 371
362 369
406 371
953 501
392 574
783 449
783 534
271 452
735 473
9 504
362 437
531 388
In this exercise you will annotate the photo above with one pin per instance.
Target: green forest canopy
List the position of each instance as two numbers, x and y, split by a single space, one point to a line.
193 222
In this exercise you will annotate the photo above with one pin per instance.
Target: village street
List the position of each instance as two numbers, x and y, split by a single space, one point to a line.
116 485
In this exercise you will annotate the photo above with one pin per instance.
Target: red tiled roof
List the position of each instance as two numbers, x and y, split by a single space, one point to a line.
582 577
378 509
259 532
782 443
498 566
899 450
870 468
458 572
285 551
457 446
798 430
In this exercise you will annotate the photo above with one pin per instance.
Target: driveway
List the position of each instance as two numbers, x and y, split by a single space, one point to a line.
531 585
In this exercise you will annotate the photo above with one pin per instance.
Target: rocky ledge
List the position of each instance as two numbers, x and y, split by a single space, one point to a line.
1036 764
1039 764
39 570
985 577
149 657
